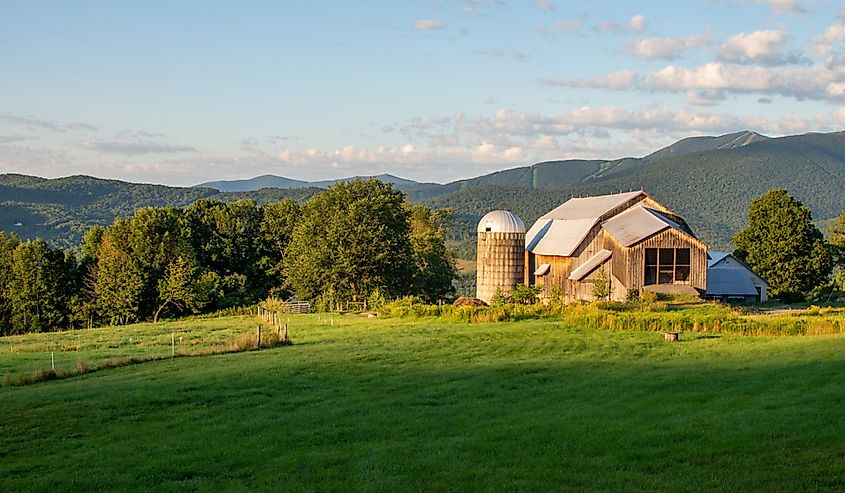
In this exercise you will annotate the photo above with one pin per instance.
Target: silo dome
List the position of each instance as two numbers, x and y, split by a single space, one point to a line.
501 222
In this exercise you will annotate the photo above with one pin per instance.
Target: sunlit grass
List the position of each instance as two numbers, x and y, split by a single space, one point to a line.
420 405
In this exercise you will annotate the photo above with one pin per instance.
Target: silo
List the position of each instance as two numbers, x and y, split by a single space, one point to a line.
501 253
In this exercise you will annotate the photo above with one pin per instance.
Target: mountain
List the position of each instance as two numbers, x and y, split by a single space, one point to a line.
708 180
257 183
273 181
711 189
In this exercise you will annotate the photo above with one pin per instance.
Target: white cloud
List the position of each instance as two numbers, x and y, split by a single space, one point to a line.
833 37
545 5
623 79
790 7
429 24
668 48
636 24
824 82
760 47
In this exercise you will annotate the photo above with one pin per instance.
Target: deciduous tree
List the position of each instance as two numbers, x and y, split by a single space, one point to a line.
782 245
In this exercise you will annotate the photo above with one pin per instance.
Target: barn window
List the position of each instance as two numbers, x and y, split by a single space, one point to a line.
667 265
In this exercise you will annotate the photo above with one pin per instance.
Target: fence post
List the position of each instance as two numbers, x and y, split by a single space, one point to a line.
258 337
285 340
173 344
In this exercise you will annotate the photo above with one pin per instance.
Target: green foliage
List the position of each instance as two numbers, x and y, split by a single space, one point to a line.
351 239
525 295
498 298
434 263
783 246
601 285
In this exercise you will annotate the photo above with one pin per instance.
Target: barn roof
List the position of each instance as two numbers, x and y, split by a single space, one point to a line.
725 282
637 224
561 230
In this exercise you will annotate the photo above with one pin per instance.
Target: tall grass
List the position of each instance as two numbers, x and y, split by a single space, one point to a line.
661 316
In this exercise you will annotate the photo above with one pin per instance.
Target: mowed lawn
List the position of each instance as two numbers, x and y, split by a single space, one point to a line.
422 405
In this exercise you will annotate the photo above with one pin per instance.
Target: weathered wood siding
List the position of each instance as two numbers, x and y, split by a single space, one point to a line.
670 238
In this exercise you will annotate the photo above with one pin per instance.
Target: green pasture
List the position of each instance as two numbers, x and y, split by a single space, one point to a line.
402 404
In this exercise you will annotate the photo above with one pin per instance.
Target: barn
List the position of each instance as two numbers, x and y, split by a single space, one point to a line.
628 239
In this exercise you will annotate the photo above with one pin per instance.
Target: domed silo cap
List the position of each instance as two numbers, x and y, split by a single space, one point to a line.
501 222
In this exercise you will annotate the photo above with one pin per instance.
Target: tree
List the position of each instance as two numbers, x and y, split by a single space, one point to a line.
8 244
351 240
278 222
783 246
40 285
180 287
120 281
601 285
434 263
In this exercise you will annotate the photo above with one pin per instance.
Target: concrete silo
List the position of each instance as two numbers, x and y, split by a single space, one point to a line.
501 253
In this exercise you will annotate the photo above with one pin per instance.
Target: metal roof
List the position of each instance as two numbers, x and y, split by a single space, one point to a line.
637 224
590 265
560 231
557 237
714 258
590 207
501 222
722 282
543 270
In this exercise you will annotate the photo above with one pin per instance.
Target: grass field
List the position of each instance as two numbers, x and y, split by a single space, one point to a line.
424 405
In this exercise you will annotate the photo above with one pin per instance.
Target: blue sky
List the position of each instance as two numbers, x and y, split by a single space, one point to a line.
185 92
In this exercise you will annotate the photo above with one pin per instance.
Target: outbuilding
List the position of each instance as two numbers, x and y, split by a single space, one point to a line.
729 279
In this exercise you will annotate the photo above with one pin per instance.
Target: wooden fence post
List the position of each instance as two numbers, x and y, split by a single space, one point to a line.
258 338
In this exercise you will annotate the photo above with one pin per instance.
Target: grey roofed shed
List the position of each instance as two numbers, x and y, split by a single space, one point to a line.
729 282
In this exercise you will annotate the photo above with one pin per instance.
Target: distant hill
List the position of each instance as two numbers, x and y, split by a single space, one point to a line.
257 183
708 180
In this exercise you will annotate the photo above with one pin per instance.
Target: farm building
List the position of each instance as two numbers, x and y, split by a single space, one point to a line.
501 254
728 279
629 239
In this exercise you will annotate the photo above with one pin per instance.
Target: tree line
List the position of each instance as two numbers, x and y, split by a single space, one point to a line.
352 242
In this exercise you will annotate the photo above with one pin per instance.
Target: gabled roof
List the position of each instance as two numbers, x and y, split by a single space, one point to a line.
718 261
557 237
638 223
561 230
714 257
723 282
590 265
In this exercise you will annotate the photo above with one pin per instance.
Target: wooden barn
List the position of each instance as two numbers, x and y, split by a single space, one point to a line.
629 239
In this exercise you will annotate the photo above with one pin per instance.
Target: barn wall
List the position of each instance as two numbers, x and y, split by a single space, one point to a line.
670 238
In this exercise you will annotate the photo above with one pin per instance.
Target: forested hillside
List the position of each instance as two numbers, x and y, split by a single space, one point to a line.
708 180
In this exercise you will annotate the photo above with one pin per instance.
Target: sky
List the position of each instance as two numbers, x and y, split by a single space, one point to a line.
185 92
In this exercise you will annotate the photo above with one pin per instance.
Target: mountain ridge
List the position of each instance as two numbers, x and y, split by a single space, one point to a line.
708 180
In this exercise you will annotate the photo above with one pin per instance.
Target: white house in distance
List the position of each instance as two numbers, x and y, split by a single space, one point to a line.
728 279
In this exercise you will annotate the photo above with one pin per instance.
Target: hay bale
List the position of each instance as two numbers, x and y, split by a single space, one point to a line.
469 301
